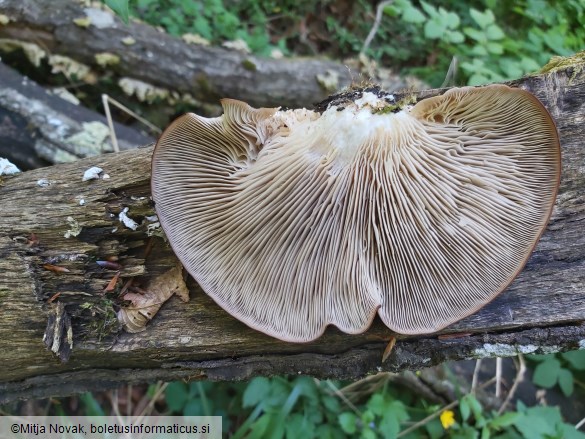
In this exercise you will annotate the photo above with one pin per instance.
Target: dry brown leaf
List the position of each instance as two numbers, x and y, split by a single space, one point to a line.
144 306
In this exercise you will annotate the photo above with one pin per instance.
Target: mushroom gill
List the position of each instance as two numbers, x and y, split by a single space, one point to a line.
294 220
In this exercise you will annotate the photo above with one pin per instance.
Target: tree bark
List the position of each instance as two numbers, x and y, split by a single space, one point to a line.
542 311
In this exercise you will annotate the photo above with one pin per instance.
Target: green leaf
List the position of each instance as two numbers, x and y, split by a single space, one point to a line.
464 408
566 381
568 431
176 395
429 9
368 433
531 428
475 34
494 48
451 19
485 433
330 403
504 420
494 32
546 373
257 390
575 358
413 15
120 7
455 37
477 79
434 28
194 407
483 19
347 421
377 404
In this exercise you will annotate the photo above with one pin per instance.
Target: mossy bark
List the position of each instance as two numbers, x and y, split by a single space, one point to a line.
542 311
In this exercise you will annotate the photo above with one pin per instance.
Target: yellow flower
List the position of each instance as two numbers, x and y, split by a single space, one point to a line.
447 419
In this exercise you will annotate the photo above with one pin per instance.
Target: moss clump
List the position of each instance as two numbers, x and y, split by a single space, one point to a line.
249 65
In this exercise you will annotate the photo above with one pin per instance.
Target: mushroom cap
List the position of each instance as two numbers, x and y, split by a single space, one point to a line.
294 220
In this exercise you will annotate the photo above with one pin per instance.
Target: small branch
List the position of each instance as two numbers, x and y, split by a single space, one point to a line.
519 378
377 21
498 377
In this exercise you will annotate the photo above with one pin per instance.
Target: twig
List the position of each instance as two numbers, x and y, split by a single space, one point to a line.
377 21
580 424
451 73
475 375
498 377
110 123
147 411
438 412
343 398
517 381
106 101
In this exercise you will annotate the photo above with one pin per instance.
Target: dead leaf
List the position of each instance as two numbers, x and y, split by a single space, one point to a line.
388 349
145 306
112 284
55 268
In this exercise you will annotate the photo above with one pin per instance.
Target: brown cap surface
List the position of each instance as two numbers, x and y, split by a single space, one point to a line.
294 220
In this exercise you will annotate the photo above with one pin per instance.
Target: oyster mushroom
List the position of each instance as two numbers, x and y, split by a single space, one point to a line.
295 220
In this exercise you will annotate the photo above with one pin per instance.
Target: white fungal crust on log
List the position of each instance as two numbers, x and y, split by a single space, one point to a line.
294 220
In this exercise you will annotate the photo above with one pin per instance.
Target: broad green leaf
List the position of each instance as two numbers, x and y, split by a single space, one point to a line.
193 408
485 433
413 15
511 67
451 19
575 358
566 381
368 433
429 9
568 431
390 426
546 373
494 48
477 79
331 403
531 427
257 390
434 28
504 420
120 7
483 19
176 395
377 404
494 32
455 37
347 421
479 50
464 408
475 34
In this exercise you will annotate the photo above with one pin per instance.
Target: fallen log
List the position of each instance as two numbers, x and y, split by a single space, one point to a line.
159 60
53 235
38 128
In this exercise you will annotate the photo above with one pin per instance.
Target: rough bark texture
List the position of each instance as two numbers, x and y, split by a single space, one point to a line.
207 73
38 128
542 311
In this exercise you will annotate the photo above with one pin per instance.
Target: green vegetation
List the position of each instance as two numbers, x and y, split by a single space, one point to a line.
493 41
306 408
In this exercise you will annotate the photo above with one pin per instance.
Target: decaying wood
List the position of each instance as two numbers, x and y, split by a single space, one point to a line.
38 128
542 311
206 73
